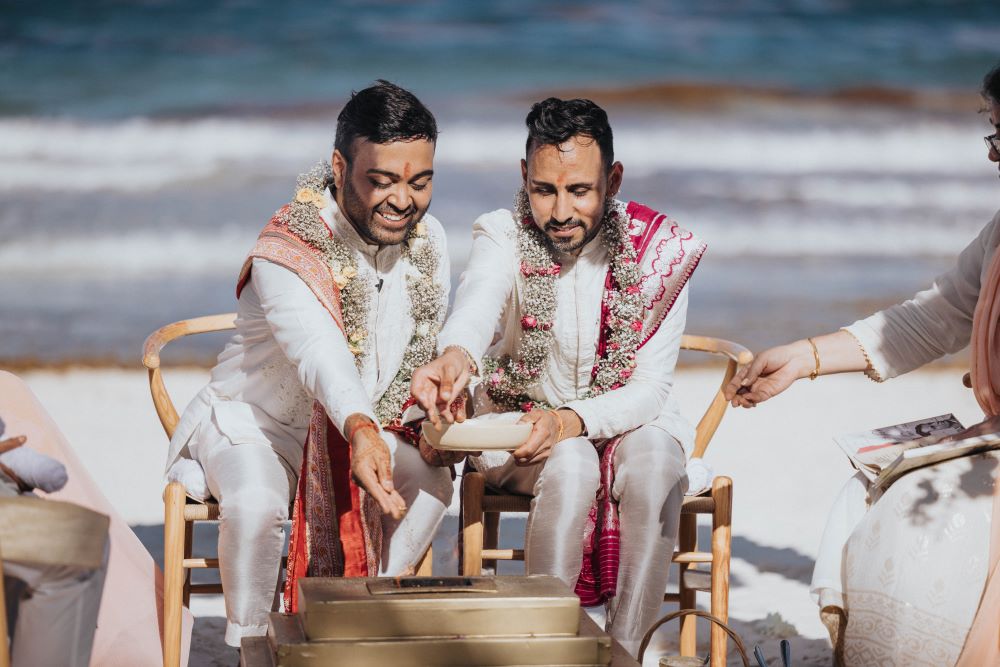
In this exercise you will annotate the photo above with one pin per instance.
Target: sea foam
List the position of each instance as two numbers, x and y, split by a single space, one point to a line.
141 154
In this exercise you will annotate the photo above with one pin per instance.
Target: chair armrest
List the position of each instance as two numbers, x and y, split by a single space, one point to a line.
734 351
156 341
159 338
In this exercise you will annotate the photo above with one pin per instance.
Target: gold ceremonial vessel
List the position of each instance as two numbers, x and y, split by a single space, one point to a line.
441 621
391 608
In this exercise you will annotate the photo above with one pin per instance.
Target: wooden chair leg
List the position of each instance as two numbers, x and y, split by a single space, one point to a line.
425 567
687 538
473 489
173 572
491 536
4 641
722 493
188 546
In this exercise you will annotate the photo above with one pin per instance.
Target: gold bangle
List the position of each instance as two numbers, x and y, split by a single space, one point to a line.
562 428
815 373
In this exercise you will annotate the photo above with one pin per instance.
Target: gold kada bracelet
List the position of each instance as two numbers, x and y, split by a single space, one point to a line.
815 373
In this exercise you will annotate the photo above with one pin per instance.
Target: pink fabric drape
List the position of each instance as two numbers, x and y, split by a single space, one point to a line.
129 628
982 645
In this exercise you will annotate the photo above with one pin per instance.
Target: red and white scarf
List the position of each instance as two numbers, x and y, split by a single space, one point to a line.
668 256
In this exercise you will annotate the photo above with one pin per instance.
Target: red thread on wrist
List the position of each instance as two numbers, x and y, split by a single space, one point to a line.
353 431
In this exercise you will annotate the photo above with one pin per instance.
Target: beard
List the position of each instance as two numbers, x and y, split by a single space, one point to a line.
366 221
572 245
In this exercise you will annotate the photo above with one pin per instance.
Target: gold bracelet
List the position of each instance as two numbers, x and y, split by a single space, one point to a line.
815 373
562 428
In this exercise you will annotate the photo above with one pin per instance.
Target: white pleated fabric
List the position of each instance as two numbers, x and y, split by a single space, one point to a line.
255 485
650 482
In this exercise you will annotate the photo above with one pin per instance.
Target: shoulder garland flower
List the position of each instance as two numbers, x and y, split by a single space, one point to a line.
425 293
509 379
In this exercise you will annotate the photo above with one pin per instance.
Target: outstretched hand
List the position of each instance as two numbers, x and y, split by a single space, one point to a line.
372 470
771 373
438 384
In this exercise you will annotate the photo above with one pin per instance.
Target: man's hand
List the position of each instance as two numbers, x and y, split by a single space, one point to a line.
436 386
441 458
544 433
370 466
771 373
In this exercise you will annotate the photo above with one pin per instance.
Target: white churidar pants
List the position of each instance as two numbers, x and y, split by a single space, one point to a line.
57 618
650 482
255 487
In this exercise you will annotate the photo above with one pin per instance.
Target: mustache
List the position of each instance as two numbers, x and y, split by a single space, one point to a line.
563 224
389 208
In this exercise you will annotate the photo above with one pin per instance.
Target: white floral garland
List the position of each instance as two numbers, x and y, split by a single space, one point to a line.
508 380
426 295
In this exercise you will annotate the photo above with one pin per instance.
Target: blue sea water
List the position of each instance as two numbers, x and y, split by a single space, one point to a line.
144 144
111 59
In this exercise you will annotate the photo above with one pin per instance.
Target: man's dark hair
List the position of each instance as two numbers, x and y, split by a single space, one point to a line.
554 121
383 113
991 85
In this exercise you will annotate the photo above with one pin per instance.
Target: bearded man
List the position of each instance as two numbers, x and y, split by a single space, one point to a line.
588 295
341 298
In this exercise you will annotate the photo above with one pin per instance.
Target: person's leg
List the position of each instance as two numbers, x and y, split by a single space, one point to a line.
254 487
57 618
649 486
427 491
564 489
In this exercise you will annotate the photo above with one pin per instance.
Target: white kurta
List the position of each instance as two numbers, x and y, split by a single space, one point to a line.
909 569
287 350
248 426
650 479
489 299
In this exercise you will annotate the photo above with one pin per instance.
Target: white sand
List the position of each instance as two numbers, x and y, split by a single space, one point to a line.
785 467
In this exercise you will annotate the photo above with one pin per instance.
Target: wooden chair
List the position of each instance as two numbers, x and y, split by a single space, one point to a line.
181 511
481 508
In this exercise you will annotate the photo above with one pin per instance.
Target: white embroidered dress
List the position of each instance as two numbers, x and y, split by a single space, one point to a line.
909 569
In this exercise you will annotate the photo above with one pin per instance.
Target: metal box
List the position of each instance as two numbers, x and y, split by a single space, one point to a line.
410 607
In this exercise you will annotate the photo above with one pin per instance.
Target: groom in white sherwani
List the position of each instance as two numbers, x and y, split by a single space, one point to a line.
571 312
342 296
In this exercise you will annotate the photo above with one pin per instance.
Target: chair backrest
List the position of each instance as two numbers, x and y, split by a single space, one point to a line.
157 340
737 356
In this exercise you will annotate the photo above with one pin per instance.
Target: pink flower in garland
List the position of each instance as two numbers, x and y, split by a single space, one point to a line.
632 289
625 373
614 346
529 270
529 322
496 377
637 325
527 406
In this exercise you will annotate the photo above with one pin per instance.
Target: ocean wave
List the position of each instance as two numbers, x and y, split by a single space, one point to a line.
222 252
141 154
